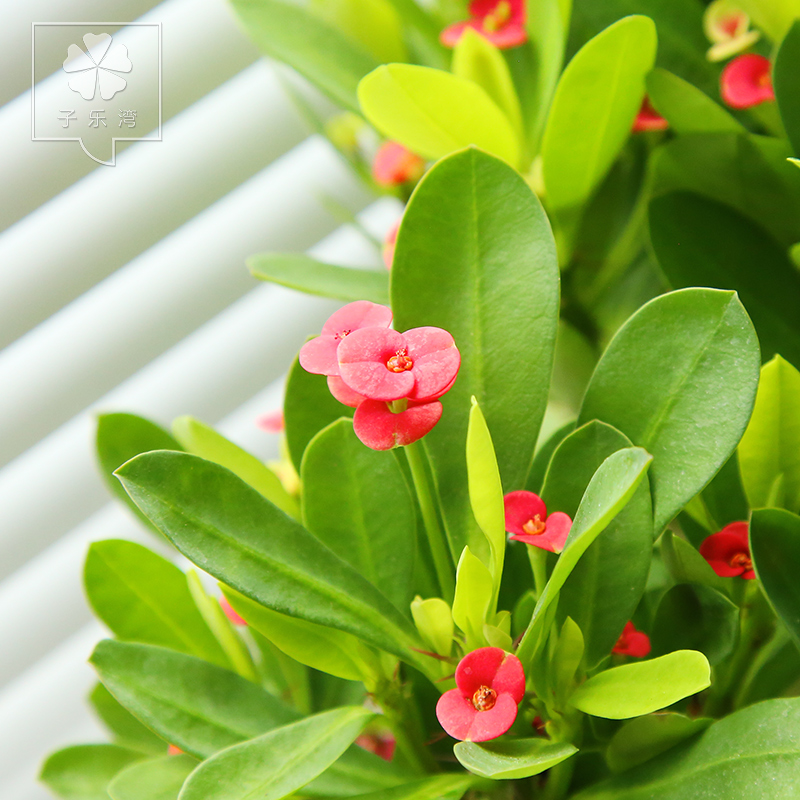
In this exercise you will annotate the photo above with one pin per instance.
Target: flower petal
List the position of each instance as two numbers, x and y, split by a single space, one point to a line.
436 361
229 612
557 530
746 81
490 724
482 8
479 668
319 356
377 427
394 165
343 393
117 58
456 714
510 678
359 314
84 83
520 507
452 33
110 83
97 45
362 364
77 60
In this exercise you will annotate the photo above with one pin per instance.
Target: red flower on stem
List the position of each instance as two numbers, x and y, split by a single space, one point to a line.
728 552
527 521
320 354
502 22
394 165
648 119
490 683
746 81
632 642
380 427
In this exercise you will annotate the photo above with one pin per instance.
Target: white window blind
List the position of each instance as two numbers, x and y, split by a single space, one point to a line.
124 288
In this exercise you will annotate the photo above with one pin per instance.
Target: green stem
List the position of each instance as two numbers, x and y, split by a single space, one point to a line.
403 717
427 504
538 559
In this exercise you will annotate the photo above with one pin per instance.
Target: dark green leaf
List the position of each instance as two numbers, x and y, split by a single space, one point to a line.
308 275
487 272
157 779
686 565
786 80
127 730
513 758
543 455
83 772
679 379
724 497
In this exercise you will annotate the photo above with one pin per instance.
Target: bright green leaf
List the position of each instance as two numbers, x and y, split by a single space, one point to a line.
512 758
567 659
83 772
127 730
474 592
434 621
724 498
446 786
157 779
686 565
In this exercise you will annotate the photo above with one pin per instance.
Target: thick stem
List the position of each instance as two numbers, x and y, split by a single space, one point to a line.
538 559
427 504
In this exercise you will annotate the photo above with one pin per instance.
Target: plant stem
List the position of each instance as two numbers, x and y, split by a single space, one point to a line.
538 559
427 504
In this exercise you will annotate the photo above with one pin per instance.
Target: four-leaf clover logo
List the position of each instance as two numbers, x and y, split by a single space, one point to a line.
99 65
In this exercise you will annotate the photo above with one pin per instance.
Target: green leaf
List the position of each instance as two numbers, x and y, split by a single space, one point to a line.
157 779
775 544
753 754
679 379
434 621
142 597
279 762
647 737
610 489
434 113
326 649
308 408
218 521
774 17
127 730
119 438
82 772
724 498
202 440
605 587
357 502
308 275
567 660
447 786
786 80
513 758
320 53
686 565
696 618
543 455
770 446
635 689
699 242
478 273
474 592
687 108
595 104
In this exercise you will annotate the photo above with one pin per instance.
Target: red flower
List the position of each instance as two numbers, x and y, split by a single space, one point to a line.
229 612
648 119
319 355
272 422
343 393
389 244
728 552
174 751
382 364
527 521
490 685
746 81
380 428
502 22
394 165
632 642
382 744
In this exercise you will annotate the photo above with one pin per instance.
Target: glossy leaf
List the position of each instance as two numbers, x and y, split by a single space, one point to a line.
611 487
679 379
641 688
126 729
543 455
156 779
478 273
647 737
699 242
567 660
724 498
770 447
775 545
83 772
357 502
593 109
512 758
605 587
786 80
735 757
474 594
218 521
319 52
434 621
686 565
445 786
306 274
279 762
142 597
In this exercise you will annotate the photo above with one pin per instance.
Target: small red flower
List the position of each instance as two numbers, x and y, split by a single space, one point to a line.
394 165
380 428
389 244
490 685
382 744
382 364
272 422
319 354
746 81
632 642
728 552
502 22
174 751
648 119
527 521
229 612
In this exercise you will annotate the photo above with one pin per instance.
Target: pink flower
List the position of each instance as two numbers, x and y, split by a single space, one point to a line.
229 612
648 119
632 642
728 552
502 22
382 364
490 684
382 744
380 428
394 165
746 81
343 393
319 355
272 422
527 521
389 244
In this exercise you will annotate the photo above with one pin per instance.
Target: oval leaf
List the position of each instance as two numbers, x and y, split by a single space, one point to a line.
83 772
514 758
157 779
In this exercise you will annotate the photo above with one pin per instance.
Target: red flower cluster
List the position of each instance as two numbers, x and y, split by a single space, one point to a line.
490 684
632 642
527 521
502 22
392 379
746 81
395 165
728 552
